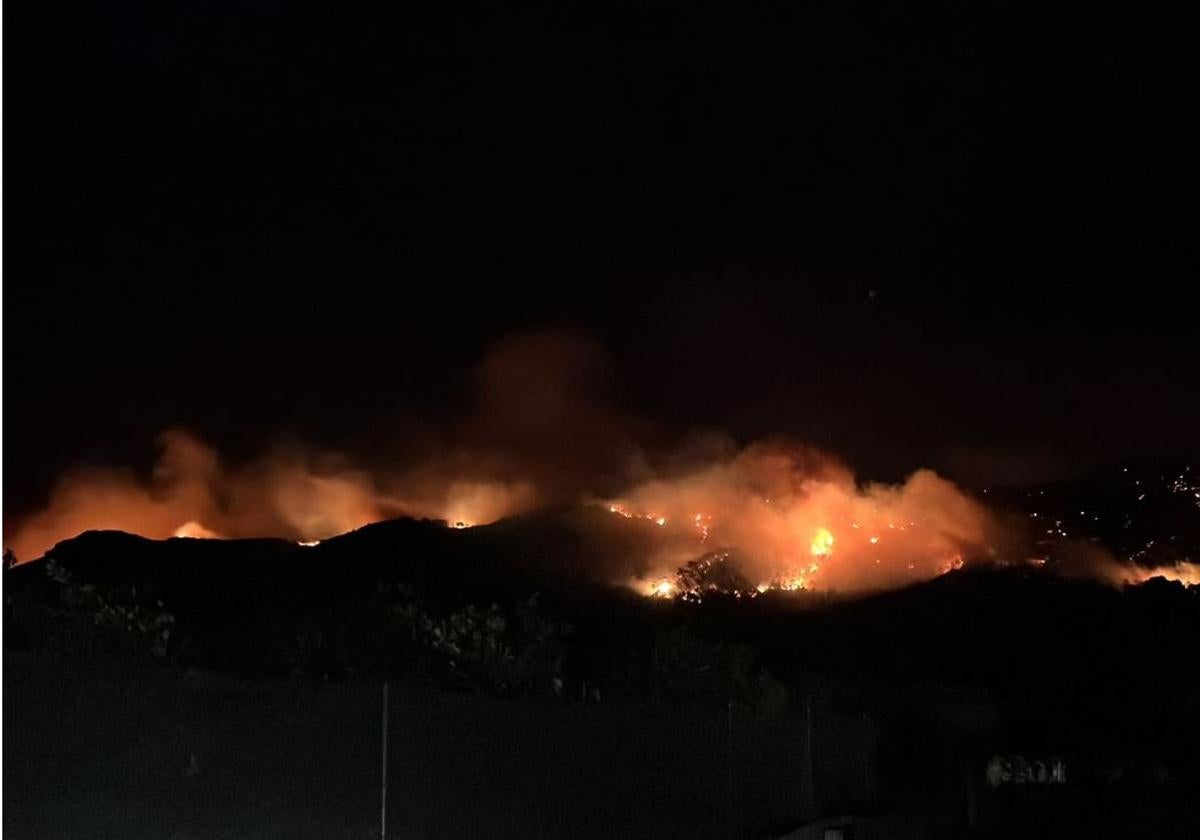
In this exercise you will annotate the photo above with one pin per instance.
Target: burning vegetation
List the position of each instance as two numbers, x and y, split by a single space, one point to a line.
775 516
291 494
770 517
544 432
783 517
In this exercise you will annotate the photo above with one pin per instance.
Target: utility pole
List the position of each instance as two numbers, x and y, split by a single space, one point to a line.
384 773
867 755
729 769
808 755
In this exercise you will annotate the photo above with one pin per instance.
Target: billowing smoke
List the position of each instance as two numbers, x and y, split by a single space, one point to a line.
1083 559
789 517
290 493
545 426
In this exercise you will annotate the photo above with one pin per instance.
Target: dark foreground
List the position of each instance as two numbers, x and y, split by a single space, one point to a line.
200 689
106 750
120 750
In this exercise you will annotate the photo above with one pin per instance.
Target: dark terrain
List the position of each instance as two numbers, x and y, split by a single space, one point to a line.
193 688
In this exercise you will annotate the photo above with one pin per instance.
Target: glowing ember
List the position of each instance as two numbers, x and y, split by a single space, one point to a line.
308 543
953 564
621 510
460 524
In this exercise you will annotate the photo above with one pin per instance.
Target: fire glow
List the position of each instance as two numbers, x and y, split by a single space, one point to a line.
295 495
1184 572
542 430
777 517
787 518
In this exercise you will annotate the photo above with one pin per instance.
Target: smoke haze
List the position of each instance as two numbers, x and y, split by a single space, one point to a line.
546 426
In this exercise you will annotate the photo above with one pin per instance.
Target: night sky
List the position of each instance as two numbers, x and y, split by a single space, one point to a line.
944 233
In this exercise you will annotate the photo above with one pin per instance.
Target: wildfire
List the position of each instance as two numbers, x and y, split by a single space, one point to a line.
769 518
195 531
663 588
742 521
621 510
787 519
1184 572
953 564
292 494
822 543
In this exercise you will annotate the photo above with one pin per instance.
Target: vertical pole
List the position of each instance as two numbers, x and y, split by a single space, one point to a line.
729 769
384 774
866 724
808 755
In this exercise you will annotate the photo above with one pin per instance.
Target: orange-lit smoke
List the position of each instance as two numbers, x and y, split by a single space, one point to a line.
793 518
1181 572
290 493
1106 568
544 428
541 426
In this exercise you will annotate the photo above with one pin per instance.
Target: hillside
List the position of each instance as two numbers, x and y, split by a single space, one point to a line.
900 696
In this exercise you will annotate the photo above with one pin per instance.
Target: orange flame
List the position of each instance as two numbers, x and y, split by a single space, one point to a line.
822 543
194 530
799 520
299 496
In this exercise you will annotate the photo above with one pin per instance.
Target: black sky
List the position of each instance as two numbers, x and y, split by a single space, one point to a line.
940 233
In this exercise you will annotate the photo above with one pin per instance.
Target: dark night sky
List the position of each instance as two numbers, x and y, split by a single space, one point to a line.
949 233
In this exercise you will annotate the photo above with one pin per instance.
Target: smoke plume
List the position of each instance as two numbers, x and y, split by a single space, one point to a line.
545 426
788 516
